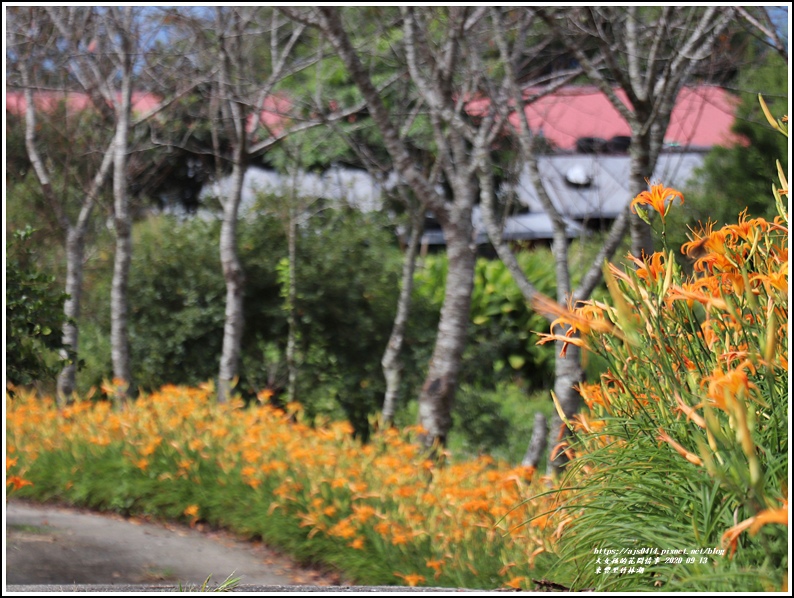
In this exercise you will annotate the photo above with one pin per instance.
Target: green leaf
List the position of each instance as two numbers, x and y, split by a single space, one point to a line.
516 361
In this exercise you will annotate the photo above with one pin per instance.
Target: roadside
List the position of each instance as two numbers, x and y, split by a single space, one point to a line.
49 544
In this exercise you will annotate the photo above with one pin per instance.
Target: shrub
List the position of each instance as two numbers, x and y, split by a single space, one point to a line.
346 303
34 316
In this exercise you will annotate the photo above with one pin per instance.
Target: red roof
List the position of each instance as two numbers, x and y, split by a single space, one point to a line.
142 102
702 115
274 109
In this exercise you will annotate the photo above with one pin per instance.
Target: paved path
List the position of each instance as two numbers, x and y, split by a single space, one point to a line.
55 545
137 589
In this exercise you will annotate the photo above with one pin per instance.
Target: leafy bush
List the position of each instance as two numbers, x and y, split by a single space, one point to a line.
495 422
177 295
346 304
34 316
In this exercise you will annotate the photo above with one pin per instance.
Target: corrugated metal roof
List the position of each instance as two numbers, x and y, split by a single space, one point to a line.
608 192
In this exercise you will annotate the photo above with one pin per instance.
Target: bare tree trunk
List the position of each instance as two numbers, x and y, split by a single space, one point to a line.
75 244
642 166
75 238
75 249
391 362
232 109
438 392
235 283
568 374
538 442
119 339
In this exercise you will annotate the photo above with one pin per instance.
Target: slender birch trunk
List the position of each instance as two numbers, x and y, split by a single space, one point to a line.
391 362
233 112
75 251
235 285
641 170
119 336
568 374
438 392
538 442
75 239
75 247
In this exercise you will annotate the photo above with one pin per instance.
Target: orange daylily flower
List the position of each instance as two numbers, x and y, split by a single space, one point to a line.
687 292
547 338
357 544
516 582
730 383
191 511
576 319
776 515
745 229
776 279
694 248
584 320
657 198
17 482
731 537
263 396
435 565
650 269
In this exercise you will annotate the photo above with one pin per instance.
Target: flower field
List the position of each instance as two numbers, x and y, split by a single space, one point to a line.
380 512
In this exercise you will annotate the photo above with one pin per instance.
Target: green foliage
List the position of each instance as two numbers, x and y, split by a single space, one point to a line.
34 316
176 295
177 302
502 344
346 304
495 422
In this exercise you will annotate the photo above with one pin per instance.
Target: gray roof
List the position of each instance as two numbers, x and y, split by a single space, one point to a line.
582 187
608 191
346 185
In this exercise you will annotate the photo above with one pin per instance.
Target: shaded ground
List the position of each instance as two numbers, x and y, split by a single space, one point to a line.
48 544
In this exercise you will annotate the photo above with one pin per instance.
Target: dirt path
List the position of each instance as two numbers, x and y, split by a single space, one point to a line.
48 544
